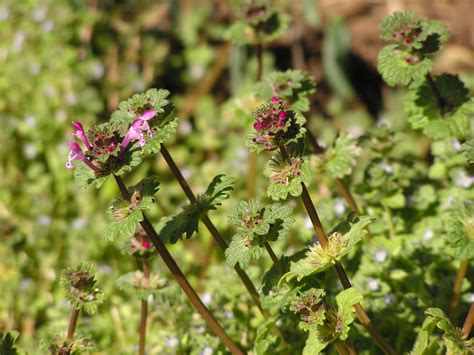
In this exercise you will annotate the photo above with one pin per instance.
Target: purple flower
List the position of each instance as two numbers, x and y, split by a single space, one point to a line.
81 134
138 129
76 153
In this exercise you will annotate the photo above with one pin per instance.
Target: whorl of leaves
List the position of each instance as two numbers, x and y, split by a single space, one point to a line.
325 322
255 226
81 287
406 60
286 177
126 215
341 240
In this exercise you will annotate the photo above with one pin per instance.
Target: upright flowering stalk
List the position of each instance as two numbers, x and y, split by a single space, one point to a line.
275 128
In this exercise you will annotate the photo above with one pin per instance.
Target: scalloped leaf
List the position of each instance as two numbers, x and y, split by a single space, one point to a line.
452 338
85 177
461 232
124 228
453 120
339 160
393 65
468 150
241 251
346 300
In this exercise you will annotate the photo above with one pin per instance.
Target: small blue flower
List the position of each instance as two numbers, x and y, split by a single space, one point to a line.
428 234
206 298
206 351
372 283
339 208
380 255
172 342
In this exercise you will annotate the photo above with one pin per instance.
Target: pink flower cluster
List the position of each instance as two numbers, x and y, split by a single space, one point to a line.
270 119
107 143
76 152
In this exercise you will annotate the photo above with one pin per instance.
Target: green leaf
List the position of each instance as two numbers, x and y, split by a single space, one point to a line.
264 339
268 223
461 232
134 107
393 65
314 345
452 120
339 160
7 341
468 150
172 228
217 192
241 250
452 337
345 303
286 177
85 177
406 61
124 228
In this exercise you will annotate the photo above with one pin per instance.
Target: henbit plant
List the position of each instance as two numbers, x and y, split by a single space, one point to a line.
295 283
82 292
147 120
277 128
439 106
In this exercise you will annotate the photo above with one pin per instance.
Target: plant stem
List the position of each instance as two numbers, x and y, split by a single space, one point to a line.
323 240
210 226
341 347
144 310
72 324
389 218
457 288
466 328
434 89
180 278
346 194
274 258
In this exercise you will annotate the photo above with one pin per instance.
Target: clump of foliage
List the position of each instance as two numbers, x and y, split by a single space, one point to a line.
329 238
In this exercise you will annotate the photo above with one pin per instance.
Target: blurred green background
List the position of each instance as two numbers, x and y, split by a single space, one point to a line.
75 60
